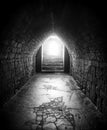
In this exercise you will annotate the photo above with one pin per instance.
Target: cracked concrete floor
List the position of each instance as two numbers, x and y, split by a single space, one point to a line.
51 102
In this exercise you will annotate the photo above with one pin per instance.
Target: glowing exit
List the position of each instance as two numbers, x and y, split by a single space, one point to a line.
53 47
53 54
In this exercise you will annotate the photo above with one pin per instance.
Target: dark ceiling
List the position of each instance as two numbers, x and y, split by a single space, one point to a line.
8 9
72 15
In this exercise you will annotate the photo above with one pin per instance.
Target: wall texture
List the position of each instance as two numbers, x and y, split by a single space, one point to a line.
83 38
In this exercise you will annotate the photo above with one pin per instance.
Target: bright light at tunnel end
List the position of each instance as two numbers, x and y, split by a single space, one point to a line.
53 45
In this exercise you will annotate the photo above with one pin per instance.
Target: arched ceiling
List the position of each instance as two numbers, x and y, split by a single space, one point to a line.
31 20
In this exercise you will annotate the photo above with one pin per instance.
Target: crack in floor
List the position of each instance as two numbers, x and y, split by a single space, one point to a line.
53 115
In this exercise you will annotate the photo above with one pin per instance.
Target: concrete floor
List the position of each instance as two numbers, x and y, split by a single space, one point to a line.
51 102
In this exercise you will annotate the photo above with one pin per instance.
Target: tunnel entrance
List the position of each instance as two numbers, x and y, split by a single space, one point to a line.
53 56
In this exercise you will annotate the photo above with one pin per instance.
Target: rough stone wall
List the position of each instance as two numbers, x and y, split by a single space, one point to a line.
15 69
88 59
90 72
86 66
17 50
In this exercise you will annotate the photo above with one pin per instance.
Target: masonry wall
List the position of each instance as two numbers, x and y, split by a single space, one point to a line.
15 69
90 72
20 47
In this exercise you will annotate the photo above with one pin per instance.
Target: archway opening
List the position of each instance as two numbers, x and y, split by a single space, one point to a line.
53 56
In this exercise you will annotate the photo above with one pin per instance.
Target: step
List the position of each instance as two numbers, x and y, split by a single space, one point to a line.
52 70
53 66
60 63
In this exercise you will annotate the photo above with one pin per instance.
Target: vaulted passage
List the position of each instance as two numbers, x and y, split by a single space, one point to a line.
53 56
53 66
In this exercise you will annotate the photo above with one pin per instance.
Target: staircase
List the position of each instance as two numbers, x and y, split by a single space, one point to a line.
53 65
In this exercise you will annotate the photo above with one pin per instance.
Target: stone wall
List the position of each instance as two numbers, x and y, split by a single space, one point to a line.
15 69
91 77
18 48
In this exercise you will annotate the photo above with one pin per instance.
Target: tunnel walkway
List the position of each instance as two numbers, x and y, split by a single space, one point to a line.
51 102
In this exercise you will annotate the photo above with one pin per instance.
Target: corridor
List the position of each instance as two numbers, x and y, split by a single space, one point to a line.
53 65
51 102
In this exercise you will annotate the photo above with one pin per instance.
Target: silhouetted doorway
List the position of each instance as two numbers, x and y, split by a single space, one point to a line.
39 61
66 61
53 56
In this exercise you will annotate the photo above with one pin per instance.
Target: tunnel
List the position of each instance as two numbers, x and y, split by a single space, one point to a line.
53 65
48 60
